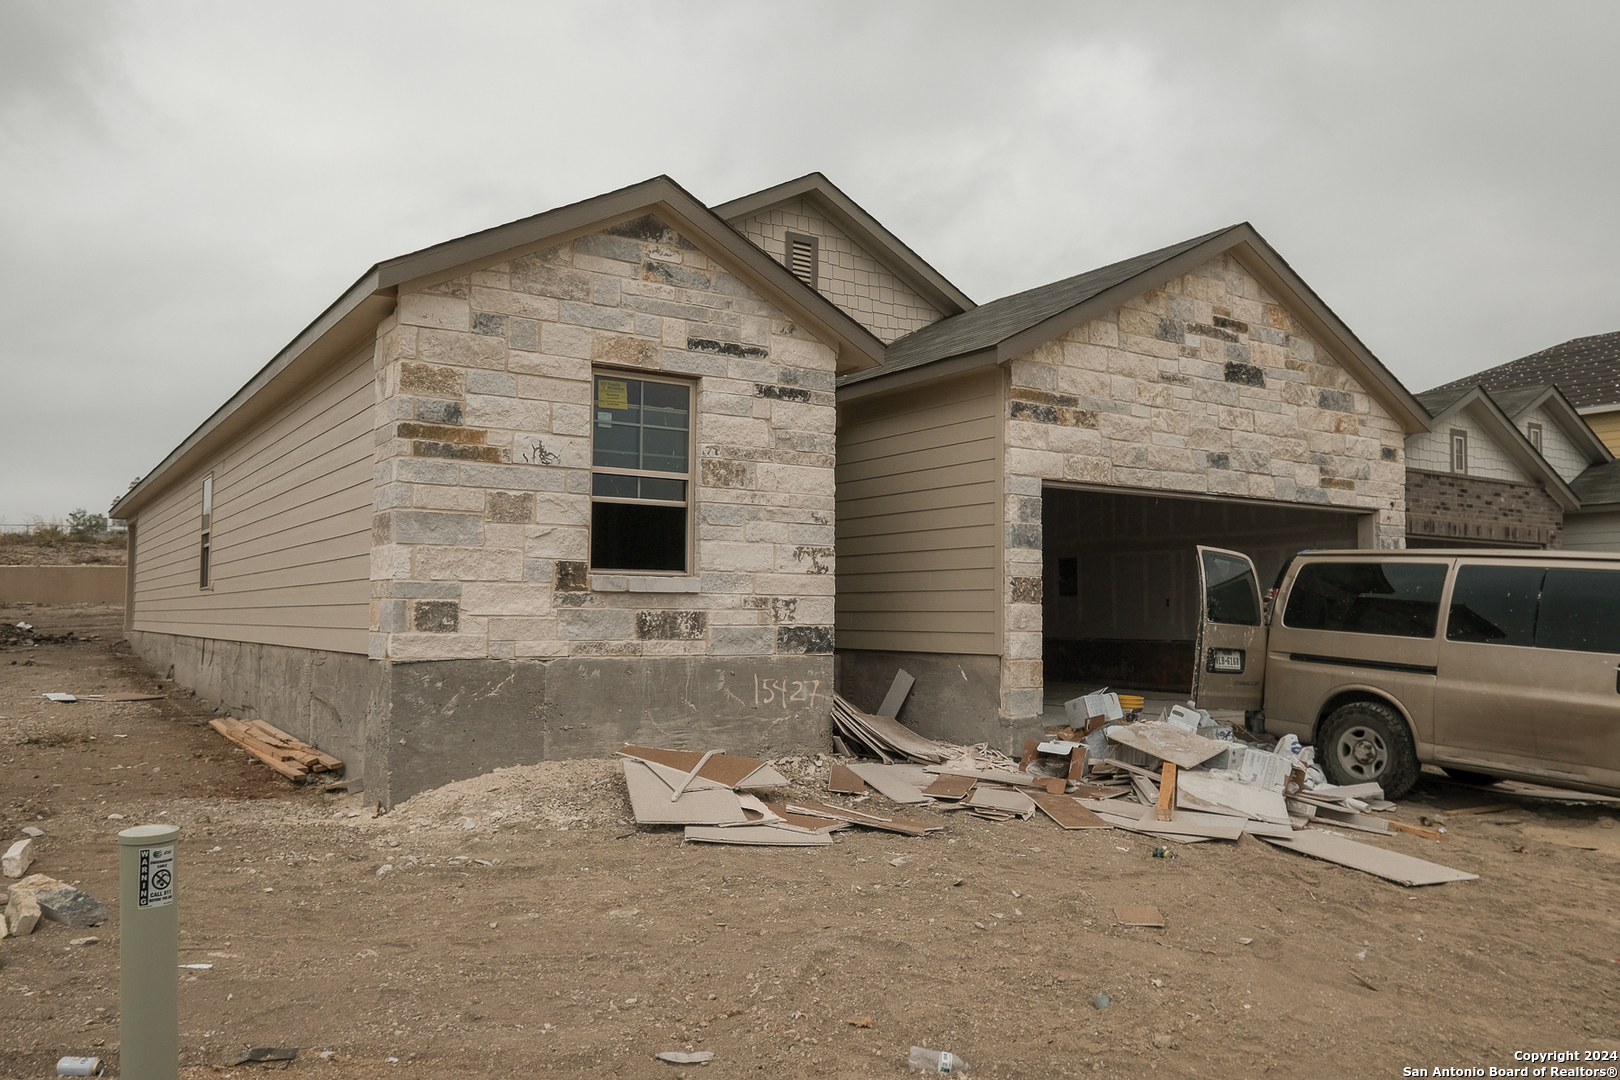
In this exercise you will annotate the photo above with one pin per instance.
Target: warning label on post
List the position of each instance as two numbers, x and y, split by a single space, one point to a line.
157 877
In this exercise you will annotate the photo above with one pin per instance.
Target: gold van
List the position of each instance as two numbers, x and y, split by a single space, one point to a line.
1487 663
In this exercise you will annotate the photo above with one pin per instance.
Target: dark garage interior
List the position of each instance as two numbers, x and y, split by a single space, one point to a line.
1119 595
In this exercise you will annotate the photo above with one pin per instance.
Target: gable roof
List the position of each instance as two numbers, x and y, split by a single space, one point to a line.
861 227
356 313
1513 404
1011 326
1481 407
1586 369
1598 486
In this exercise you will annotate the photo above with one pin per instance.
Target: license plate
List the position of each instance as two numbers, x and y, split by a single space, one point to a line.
1226 661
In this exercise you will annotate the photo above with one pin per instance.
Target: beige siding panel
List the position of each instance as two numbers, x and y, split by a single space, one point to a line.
291 543
919 520
1607 427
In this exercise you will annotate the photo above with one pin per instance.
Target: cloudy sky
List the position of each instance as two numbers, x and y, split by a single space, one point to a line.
184 186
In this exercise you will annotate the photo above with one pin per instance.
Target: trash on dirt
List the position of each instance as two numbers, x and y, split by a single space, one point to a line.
883 736
761 835
922 1059
859 1021
1139 915
29 830
122 697
677 1057
1391 865
57 902
266 1053
60 697
288 756
1101 1002
78 1066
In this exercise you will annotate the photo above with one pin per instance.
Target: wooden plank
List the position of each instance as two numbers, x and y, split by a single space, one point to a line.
896 696
756 835
1416 830
1146 790
1491 809
844 782
1166 808
1167 743
1392 865
1067 813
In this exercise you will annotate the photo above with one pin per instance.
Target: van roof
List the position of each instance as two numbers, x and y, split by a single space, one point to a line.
1467 553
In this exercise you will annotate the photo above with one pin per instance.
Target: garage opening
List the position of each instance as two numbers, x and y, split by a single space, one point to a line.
1120 581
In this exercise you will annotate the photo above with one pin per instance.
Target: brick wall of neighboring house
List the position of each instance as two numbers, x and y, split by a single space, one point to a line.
483 461
1206 386
1476 509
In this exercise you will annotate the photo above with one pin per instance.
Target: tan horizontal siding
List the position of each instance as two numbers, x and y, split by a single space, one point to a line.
291 539
919 511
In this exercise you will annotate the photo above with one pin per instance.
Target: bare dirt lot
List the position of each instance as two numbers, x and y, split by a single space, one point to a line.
527 925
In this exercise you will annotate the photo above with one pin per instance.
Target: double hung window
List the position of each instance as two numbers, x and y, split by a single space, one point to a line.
641 474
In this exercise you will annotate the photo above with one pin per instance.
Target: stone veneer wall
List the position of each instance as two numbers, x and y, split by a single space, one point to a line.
1445 506
846 274
1206 385
484 456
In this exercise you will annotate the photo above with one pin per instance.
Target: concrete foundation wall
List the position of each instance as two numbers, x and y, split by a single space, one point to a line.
956 697
328 699
453 719
62 584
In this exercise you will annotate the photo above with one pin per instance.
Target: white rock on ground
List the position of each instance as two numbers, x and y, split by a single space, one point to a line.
18 858
22 914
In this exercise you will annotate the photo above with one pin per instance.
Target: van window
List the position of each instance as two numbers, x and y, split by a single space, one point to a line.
1396 598
1495 605
1578 611
1231 594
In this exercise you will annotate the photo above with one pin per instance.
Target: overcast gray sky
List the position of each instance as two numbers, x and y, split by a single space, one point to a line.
184 186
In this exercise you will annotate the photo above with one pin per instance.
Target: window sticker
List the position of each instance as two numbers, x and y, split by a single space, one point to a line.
612 394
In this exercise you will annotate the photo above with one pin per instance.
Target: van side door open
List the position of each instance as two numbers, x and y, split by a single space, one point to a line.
1229 670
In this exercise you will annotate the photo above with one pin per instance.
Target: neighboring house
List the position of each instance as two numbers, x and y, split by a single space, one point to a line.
571 481
1021 486
1495 468
1586 369
527 494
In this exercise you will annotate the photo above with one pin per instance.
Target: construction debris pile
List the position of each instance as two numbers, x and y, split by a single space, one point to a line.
288 756
1185 777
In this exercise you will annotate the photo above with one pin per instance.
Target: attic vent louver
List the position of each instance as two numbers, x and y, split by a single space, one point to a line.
801 257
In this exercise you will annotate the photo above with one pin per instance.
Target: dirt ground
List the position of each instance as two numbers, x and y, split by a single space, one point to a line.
521 923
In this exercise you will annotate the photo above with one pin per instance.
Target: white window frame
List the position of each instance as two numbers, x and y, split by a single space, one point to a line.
1459 451
205 553
1532 431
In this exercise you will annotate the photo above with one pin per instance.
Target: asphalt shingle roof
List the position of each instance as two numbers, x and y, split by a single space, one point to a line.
1586 369
1598 485
990 324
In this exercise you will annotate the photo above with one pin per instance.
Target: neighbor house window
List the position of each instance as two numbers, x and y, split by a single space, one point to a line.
204 570
1459 451
1533 433
802 257
641 474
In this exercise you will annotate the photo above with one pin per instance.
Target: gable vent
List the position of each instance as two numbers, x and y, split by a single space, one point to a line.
801 257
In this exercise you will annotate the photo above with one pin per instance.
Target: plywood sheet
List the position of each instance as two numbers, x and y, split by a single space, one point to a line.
757 835
1193 823
1138 915
997 776
1068 813
841 780
1167 743
1200 791
713 804
1003 800
896 696
889 783
949 787
1391 865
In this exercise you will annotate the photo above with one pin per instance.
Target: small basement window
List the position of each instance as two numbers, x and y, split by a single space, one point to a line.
803 256
204 569
641 474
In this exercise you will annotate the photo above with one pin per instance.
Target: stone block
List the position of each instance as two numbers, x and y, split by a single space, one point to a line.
597 316
412 647
442 312
18 858
559 339
435 616
521 477
556 542
463 349
59 902
431 380
22 915
672 625
428 527
595 625
742 640
506 598
466 564
802 639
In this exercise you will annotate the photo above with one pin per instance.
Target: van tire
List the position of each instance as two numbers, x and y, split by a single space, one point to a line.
1368 742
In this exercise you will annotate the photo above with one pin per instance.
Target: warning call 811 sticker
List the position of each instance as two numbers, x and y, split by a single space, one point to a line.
157 877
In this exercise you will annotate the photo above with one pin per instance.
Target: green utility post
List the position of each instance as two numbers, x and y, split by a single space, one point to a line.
148 954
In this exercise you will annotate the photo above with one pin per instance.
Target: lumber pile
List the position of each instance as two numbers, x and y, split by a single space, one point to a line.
288 756
884 737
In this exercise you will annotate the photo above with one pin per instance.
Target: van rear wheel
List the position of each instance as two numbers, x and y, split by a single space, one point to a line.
1367 742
